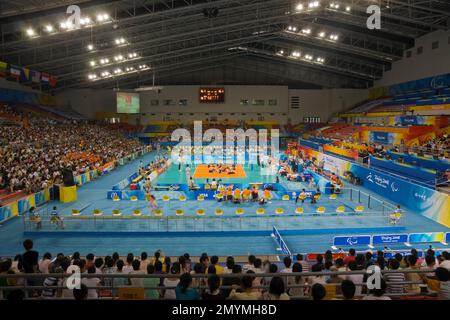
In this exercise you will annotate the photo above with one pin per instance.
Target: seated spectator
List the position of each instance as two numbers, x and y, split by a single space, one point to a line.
350 257
305 264
245 292
213 292
229 264
215 263
378 294
395 279
276 290
348 289
355 278
120 282
232 281
45 262
80 294
298 280
184 291
412 277
91 283
446 262
318 292
317 278
335 279
443 275
151 282
172 282
137 282
250 265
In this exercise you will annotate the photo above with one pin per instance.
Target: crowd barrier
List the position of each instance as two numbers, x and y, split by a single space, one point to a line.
347 153
108 288
419 198
429 163
426 176
20 206
391 239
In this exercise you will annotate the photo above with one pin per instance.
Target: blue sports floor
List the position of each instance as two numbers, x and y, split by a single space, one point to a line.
229 234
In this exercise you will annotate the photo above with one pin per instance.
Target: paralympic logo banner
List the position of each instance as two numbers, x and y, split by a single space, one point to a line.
389 238
428 202
351 240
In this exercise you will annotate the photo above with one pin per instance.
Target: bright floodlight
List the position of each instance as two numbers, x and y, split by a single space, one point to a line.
105 16
348 8
90 47
322 34
100 18
299 7
49 28
92 63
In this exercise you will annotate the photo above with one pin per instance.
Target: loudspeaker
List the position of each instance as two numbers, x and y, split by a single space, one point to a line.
68 178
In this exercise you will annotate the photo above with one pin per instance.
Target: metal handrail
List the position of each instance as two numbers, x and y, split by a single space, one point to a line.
27 288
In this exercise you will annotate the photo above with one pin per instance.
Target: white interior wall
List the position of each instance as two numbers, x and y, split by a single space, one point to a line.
313 103
324 103
430 62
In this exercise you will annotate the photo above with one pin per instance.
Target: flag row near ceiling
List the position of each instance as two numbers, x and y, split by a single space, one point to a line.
35 79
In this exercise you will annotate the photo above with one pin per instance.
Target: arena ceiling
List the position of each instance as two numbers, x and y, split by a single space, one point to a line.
133 43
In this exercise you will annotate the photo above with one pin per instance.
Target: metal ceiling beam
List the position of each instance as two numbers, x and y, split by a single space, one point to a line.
340 45
148 75
300 73
334 62
169 54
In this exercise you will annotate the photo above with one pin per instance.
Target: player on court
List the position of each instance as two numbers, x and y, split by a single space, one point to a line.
152 205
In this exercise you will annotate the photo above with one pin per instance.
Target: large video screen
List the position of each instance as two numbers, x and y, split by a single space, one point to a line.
212 95
128 102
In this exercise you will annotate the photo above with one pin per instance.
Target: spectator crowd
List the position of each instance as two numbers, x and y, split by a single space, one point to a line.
209 279
32 157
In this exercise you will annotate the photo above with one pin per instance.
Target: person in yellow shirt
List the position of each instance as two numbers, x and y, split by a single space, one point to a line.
215 262
237 195
267 196
246 194
230 194
246 290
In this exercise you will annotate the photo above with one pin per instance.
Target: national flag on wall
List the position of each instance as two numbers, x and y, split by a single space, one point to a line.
52 81
25 76
45 77
14 72
3 69
35 76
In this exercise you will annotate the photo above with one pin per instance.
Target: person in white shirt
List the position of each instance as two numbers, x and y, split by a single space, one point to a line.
446 263
45 262
377 294
128 265
172 282
99 265
250 265
188 172
144 261
355 278
312 280
339 263
229 265
137 282
91 283
287 269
